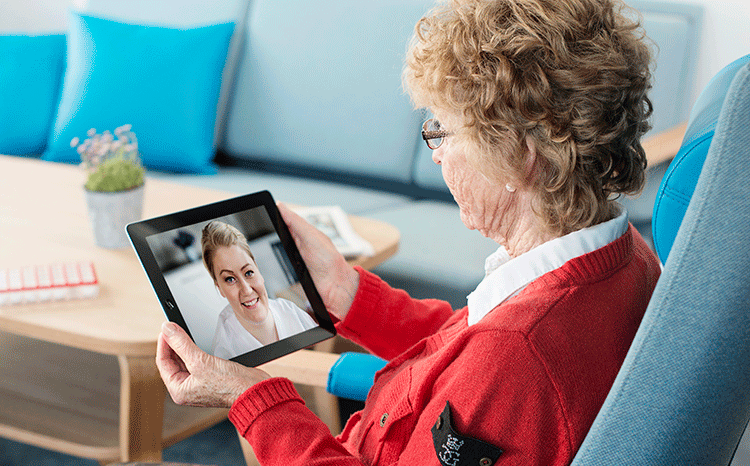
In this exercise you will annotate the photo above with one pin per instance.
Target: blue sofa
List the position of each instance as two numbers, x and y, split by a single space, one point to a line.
305 100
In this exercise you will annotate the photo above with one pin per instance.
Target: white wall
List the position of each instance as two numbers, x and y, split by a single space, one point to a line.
726 36
52 15
37 16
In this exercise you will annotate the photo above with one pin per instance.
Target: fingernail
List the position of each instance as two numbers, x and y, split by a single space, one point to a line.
167 328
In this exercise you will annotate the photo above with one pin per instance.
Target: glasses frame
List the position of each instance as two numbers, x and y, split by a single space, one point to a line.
431 135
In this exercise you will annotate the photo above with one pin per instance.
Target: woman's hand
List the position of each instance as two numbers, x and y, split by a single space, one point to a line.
335 279
196 378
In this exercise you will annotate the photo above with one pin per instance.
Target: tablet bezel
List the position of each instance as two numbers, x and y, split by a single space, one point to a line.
141 230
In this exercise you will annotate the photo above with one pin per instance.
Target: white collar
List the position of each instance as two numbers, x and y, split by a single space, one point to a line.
506 277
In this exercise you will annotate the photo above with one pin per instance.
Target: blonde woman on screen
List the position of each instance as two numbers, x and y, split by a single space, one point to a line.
251 319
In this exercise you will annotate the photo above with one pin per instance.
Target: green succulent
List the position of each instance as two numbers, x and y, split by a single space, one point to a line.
118 173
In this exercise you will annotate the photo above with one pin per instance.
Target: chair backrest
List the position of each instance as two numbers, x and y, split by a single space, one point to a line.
681 396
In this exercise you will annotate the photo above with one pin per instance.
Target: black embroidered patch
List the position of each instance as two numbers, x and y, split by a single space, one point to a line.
454 449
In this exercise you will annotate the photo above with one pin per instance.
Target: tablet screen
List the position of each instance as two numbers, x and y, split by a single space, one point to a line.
230 274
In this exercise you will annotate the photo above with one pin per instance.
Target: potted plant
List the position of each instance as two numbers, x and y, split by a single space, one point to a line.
114 185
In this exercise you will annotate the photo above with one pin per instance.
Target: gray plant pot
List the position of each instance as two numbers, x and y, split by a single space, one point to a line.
109 213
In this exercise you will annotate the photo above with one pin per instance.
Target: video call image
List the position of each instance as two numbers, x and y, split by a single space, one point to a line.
233 283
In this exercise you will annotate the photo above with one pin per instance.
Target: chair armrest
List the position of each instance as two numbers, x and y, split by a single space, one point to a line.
307 367
664 146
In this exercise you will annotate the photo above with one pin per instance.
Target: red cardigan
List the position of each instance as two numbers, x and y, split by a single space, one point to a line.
528 378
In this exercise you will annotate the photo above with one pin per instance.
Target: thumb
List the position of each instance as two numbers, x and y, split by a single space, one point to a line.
291 219
180 342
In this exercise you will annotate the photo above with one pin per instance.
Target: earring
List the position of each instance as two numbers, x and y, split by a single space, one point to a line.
510 188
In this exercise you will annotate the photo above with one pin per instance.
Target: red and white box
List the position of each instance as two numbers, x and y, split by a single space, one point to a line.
48 282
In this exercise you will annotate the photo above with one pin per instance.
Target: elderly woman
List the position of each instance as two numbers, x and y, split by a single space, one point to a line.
539 106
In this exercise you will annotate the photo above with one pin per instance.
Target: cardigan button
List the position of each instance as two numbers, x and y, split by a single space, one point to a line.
383 418
485 462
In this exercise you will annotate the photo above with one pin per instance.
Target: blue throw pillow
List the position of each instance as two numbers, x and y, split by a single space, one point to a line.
30 71
163 81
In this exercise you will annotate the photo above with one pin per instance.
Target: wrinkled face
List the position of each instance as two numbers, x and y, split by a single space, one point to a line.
240 282
481 201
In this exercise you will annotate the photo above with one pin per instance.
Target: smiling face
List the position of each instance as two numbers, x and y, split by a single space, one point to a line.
240 282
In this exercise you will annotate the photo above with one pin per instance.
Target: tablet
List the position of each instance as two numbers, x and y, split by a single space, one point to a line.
230 274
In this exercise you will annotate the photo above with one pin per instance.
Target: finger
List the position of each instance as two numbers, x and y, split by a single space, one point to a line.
166 359
298 225
308 238
293 221
183 347
289 217
171 368
285 211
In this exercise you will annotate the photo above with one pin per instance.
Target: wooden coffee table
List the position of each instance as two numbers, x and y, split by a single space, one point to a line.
79 376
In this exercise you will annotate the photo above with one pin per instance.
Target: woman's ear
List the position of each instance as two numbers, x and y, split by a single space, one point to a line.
530 162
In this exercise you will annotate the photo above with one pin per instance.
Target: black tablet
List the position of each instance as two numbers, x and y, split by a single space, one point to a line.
230 274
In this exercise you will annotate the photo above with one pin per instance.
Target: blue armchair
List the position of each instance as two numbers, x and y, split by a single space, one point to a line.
681 395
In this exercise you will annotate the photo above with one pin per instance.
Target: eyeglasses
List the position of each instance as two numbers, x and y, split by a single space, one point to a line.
433 134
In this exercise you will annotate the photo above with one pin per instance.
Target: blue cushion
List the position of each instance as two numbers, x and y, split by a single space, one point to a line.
679 181
163 81
352 375
30 71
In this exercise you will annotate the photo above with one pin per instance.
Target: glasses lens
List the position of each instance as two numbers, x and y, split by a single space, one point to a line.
432 127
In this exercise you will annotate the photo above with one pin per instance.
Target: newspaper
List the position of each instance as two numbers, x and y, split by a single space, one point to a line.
333 221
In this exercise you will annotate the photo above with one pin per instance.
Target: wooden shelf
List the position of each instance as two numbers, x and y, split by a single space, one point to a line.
49 399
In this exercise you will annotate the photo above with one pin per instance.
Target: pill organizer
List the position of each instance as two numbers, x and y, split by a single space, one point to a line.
48 282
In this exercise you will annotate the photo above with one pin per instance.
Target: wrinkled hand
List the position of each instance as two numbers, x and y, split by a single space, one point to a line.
196 378
335 279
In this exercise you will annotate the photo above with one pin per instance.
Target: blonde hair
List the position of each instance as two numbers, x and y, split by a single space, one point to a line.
218 234
569 76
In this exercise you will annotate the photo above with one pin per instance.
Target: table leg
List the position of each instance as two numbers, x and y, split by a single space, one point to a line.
141 409
327 405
